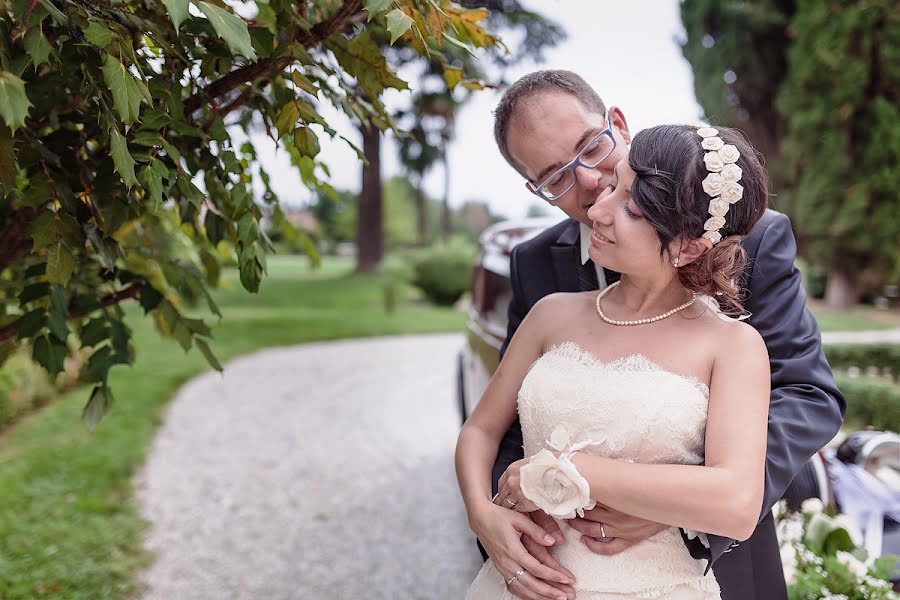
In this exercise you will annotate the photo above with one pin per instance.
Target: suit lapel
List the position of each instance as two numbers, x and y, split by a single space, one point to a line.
565 253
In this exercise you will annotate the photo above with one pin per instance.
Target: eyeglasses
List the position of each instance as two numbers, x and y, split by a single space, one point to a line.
597 149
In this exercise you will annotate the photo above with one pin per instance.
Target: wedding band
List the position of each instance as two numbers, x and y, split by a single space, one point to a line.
510 503
516 576
602 531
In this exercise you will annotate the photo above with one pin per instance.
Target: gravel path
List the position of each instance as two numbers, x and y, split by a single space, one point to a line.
316 471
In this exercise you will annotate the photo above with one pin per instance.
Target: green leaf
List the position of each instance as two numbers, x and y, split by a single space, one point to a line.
33 292
398 23
58 314
248 229
306 142
37 46
121 158
49 353
230 28
375 7
215 227
98 35
96 330
97 367
97 406
32 322
287 118
60 264
57 15
210 357
13 101
152 182
301 81
126 91
178 11
452 76
35 270
149 298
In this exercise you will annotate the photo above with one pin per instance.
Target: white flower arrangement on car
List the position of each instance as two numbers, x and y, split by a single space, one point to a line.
823 559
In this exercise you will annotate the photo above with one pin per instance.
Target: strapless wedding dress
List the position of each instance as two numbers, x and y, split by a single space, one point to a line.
636 411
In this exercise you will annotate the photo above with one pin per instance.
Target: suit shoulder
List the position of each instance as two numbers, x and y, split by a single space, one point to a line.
771 219
542 241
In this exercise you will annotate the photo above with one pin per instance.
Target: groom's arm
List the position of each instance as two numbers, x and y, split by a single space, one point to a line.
510 449
806 408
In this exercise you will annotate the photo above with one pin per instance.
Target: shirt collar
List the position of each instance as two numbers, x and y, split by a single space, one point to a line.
585 234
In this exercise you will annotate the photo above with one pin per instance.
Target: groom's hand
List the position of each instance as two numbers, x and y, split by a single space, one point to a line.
622 531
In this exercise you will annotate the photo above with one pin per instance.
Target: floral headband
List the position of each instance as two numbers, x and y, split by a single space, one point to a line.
722 182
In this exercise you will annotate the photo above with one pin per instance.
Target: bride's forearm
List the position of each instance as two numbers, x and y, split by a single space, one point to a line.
475 455
709 499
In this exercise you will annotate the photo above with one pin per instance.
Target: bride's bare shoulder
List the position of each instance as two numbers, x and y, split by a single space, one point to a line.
560 307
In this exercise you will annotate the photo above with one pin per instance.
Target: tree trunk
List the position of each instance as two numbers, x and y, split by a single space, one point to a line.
446 219
841 290
369 213
421 215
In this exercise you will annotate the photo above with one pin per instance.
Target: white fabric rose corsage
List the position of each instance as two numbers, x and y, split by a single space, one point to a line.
712 160
732 192
718 207
731 173
712 143
555 485
713 183
729 153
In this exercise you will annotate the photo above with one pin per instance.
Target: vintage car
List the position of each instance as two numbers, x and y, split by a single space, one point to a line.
491 294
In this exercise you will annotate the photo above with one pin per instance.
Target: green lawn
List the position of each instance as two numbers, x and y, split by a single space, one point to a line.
69 526
858 318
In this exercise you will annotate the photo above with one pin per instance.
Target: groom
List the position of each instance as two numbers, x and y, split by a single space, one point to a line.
542 122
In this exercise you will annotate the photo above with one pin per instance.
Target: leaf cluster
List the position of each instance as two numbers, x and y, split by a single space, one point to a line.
122 173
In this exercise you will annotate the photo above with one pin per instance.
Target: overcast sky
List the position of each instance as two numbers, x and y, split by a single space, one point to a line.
626 50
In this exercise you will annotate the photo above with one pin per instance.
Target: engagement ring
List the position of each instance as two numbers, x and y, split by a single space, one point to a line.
518 574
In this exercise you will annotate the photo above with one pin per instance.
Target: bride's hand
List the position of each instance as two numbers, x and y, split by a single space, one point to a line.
622 530
500 531
510 494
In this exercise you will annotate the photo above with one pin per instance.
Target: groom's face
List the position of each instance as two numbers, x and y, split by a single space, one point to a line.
549 131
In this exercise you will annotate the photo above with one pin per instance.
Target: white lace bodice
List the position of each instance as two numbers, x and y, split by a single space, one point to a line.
635 411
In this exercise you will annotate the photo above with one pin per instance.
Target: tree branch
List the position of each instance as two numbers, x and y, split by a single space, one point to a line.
12 329
250 72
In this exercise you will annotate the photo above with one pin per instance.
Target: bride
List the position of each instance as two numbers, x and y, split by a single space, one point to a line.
647 398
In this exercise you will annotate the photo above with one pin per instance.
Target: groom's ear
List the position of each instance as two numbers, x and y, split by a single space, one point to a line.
617 118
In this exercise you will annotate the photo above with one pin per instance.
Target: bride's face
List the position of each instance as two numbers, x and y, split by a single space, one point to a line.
621 238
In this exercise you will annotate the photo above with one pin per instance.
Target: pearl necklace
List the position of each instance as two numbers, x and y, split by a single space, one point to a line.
639 321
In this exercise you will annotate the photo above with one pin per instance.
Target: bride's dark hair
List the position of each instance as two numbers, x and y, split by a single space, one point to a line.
668 188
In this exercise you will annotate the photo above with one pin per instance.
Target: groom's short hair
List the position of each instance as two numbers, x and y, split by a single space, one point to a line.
531 85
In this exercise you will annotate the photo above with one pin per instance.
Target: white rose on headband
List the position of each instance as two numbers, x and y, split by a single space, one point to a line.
718 207
713 183
555 486
713 236
713 161
731 173
729 153
732 192
714 223
706 132
712 143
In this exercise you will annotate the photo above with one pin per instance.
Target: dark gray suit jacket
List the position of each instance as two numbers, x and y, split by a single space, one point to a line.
806 408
